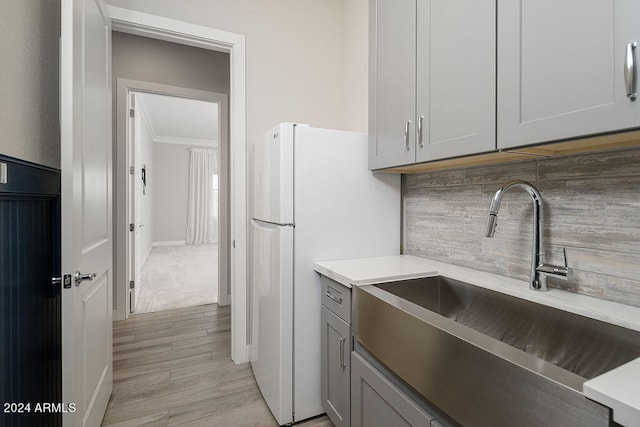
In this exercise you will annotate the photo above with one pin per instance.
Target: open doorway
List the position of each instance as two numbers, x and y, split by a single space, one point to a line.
157 126
161 28
174 144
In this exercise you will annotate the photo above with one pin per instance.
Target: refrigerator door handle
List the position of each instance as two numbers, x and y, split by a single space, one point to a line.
268 224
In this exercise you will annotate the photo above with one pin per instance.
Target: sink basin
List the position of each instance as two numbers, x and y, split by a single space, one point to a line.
487 358
578 344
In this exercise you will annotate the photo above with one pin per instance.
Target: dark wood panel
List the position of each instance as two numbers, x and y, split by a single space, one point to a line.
30 336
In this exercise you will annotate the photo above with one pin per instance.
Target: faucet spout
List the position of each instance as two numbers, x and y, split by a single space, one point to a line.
491 225
537 256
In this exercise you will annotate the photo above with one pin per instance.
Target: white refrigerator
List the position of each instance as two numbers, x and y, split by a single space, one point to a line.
313 199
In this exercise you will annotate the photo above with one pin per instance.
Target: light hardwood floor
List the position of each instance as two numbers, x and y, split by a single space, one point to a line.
174 368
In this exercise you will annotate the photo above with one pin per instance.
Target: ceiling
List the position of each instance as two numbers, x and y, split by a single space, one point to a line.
176 120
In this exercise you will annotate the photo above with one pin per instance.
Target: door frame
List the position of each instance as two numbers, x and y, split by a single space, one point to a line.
124 88
157 27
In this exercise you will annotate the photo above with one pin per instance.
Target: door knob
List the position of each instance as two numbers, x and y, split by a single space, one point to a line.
79 277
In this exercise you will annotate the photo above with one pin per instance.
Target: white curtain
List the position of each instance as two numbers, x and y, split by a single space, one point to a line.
202 215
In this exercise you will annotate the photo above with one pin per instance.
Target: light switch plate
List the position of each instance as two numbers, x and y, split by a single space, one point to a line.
3 173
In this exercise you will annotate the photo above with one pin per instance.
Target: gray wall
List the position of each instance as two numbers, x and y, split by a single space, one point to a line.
592 205
157 61
29 34
171 186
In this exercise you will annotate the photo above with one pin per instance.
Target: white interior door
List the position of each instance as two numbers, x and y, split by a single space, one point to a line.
135 203
138 210
85 118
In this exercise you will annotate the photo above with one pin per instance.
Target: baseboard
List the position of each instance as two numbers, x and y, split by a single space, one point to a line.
169 243
118 315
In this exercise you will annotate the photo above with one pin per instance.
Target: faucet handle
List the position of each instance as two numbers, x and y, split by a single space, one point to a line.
558 272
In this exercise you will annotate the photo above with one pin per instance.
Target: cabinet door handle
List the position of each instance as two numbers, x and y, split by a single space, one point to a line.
419 133
406 134
334 298
630 71
342 362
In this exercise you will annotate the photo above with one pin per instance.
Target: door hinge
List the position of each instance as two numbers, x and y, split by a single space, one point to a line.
132 170
132 284
132 227
132 113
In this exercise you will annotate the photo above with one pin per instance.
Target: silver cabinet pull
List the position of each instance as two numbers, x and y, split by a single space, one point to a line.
334 298
56 281
406 134
419 132
342 361
630 71
79 277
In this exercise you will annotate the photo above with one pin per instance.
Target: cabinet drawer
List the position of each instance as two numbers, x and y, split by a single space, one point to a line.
377 402
337 298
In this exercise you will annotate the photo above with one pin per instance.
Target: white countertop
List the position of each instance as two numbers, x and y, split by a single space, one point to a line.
618 389
367 271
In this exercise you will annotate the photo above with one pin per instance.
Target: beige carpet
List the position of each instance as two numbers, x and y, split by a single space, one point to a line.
177 277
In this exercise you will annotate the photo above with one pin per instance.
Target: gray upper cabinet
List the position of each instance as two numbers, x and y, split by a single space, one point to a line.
561 69
456 84
392 90
432 80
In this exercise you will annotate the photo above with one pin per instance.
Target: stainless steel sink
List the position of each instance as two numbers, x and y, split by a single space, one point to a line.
486 358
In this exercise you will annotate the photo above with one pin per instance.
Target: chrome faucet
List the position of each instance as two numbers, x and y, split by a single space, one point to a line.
539 270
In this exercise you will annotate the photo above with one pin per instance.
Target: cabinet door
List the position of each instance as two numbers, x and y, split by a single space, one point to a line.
336 399
561 69
376 402
392 75
456 78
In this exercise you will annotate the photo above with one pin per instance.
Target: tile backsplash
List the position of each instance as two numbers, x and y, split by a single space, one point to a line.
591 207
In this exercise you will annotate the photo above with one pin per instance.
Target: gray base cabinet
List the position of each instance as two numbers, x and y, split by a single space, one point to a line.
336 350
376 402
336 368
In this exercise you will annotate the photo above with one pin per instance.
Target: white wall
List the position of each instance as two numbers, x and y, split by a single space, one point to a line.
29 34
356 66
171 185
171 176
294 54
